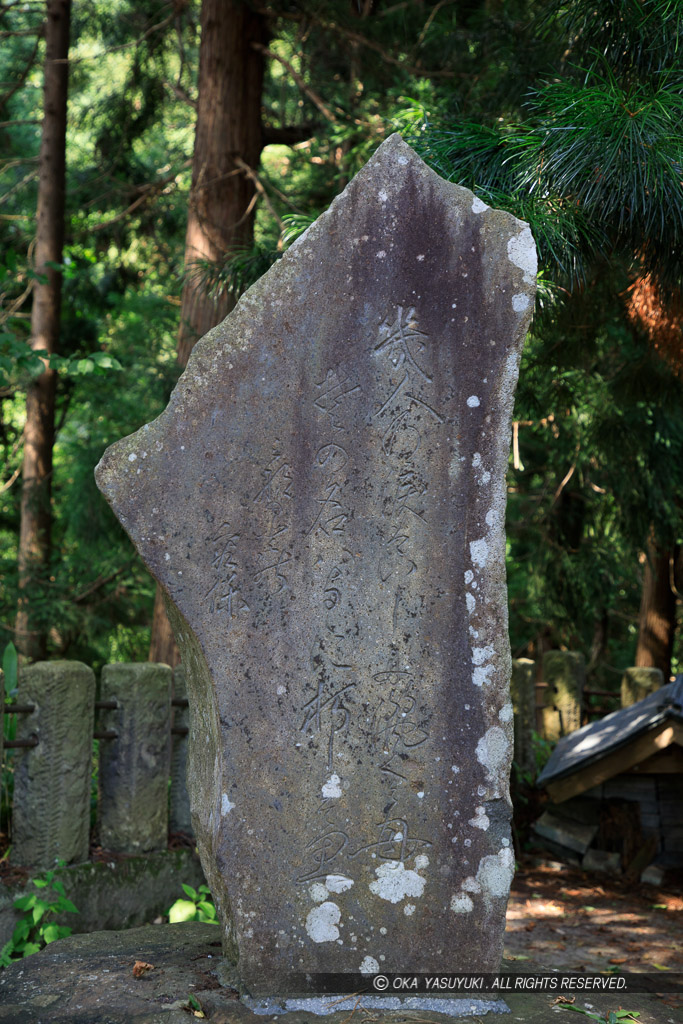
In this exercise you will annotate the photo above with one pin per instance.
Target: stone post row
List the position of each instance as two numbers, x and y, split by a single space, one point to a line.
565 674
523 694
135 763
52 779
51 814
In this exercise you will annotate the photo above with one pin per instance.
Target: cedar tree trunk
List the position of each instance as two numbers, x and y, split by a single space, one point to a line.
657 617
36 511
228 141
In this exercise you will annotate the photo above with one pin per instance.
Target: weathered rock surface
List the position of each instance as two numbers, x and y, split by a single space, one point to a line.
88 979
51 805
323 501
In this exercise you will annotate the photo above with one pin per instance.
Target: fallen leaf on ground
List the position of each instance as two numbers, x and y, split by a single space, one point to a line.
618 960
140 968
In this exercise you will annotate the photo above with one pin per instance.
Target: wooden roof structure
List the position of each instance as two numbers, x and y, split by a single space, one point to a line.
647 736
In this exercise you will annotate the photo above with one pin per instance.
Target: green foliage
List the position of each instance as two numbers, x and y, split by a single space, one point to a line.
567 115
198 907
37 927
611 1017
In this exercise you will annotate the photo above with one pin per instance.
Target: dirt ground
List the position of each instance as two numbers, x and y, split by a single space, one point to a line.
564 918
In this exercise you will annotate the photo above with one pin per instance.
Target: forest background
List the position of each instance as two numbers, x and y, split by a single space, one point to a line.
197 140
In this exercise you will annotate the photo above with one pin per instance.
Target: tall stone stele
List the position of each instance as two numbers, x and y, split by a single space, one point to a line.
323 502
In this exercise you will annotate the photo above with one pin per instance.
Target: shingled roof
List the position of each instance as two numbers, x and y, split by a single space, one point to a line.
645 728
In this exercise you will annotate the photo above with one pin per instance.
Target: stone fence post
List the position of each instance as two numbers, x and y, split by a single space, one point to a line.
523 693
565 674
135 760
637 683
51 814
179 810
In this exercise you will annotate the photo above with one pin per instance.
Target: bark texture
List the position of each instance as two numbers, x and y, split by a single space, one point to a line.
36 512
228 137
228 143
657 617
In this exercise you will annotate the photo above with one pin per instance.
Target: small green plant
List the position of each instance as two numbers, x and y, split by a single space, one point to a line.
611 1017
199 907
37 926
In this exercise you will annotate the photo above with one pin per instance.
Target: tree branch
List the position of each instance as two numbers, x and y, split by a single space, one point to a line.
258 185
23 76
148 191
289 135
306 89
356 37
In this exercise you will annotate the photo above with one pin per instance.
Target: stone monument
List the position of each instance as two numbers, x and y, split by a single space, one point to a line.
323 502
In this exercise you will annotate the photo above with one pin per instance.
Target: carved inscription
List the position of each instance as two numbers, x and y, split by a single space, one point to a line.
392 728
401 420
272 504
333 396
224 594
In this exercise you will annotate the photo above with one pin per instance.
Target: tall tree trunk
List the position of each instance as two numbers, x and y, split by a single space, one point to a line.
228 138
36 511
657 617
228 143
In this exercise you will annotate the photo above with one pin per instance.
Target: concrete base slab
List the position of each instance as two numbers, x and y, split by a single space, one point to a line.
325 1006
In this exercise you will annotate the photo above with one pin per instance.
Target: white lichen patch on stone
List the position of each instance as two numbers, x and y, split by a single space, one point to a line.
226 805
476 460
132 457
495 872
506 713
479 552
469 576
461 904
455 769
522 252
480 819
478 206
471 602
409 909
482 654
421 861
471 885
473 401
382 195
369 965
480 675
394 882
492 749
338 883
318 892
322 921
520 302
331 790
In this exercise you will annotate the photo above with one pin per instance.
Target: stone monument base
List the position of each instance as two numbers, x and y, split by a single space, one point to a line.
90 979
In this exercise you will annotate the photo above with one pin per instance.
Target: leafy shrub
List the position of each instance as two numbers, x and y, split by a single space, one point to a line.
199 907
37 927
